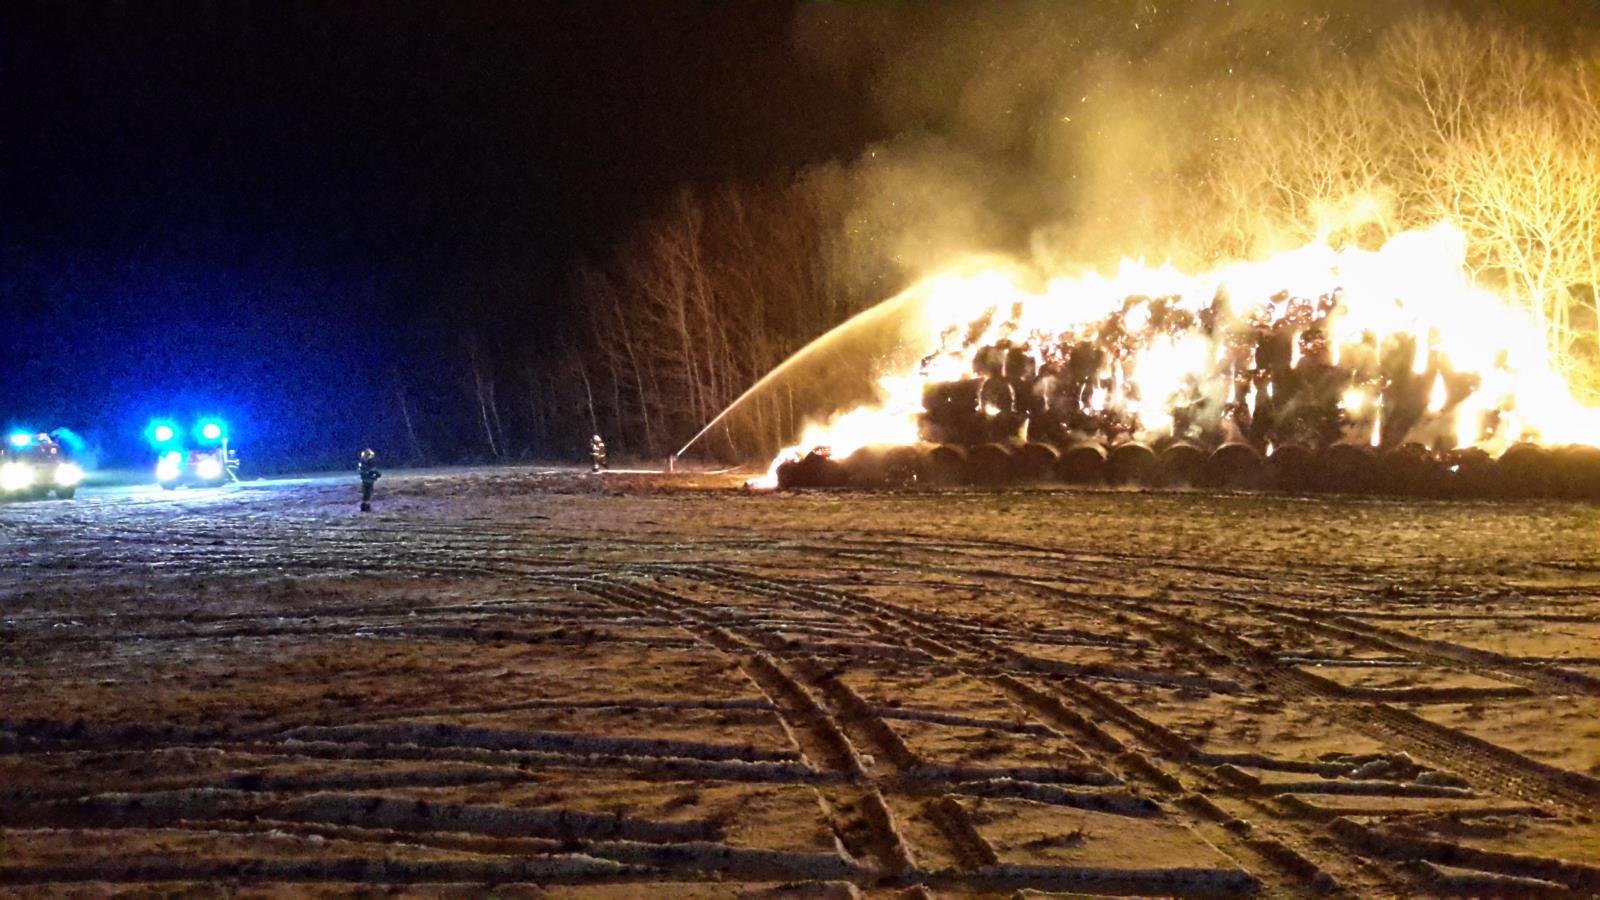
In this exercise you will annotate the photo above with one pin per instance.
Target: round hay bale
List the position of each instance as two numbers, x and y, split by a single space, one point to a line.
1345 469
947 464
1083 464
992 464
1576 472
903 466
1180 463
1292 468
1235 466
815 470
1411 470
867 469
1036 461
1131 463
1470 472
1524 470
789 475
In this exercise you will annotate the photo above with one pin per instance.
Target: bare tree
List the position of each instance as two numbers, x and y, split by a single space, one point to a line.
483 391
403 401
1472 123
709 296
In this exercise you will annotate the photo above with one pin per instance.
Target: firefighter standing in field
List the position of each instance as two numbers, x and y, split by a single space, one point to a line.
597 452
367 469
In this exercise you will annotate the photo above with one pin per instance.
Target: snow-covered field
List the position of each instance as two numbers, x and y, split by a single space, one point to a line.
635 684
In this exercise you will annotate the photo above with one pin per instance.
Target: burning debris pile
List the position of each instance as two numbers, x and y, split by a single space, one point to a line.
1382 370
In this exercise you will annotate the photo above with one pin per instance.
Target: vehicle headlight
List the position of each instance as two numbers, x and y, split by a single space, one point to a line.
209 468
68 475
169 468
16 476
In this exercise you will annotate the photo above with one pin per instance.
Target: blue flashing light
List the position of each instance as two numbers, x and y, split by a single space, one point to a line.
21 439
210 430
161 432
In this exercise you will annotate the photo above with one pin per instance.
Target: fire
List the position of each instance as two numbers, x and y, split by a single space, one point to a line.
1314 346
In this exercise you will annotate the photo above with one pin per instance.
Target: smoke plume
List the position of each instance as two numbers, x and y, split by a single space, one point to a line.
1076 134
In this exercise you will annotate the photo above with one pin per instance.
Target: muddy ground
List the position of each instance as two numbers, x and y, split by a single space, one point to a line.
637 685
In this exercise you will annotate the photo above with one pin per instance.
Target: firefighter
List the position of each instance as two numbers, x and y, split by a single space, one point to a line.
597 452
367 469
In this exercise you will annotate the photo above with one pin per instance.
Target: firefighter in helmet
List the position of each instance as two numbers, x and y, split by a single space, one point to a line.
367 469
597 452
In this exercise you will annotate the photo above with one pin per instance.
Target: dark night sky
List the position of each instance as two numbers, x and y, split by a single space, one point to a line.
263 209
206 204
385 130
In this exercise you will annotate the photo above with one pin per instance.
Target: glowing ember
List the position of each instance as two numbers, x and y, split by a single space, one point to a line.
1315 346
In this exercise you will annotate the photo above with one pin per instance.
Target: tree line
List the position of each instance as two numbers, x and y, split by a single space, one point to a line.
716 289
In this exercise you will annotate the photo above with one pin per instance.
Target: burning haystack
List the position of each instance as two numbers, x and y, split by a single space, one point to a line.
1320 368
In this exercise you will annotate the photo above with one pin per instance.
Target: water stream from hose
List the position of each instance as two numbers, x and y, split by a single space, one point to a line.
890 310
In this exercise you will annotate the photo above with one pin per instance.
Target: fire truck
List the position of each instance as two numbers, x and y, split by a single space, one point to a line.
34 465
199 456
